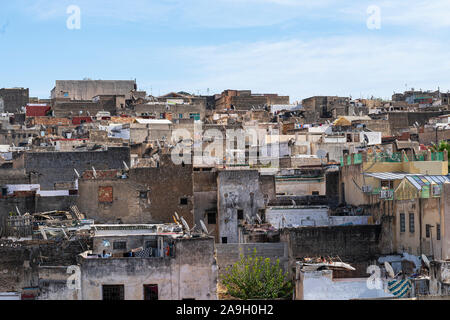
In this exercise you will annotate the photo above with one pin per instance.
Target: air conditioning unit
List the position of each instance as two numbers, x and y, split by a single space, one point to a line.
386 194
367 189
436 190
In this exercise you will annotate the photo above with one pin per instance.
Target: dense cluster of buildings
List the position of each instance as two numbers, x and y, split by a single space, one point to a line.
107 192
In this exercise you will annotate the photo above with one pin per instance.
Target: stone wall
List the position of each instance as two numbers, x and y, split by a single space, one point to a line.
54 167
20 261
148 195
351 243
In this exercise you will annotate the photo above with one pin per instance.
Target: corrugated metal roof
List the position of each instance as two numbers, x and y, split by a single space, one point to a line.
420 181
387 175
153 121
417 180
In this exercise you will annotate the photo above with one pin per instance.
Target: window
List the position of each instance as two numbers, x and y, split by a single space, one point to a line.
120 245
240 214
143 194
428 230
151 292
411 223
183 201
151 243
211 217
315 193
224 240
438 231
113 292
402 222
180 116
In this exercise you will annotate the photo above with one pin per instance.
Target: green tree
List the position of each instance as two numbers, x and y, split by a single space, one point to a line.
443 145
254 277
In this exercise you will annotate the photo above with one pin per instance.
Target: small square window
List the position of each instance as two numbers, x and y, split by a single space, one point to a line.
224 240
240 214
113 292
212 217
120 245
183 201
143 194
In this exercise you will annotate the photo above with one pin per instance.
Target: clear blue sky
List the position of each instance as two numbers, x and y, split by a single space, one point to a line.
291 47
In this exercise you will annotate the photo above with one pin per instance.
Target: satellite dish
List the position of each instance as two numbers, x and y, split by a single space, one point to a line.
426 261
247 217
94 172
186 226
259 219
177 216
76 172
293 202
389 269
126 167
283 220
18 212
204 228
366 138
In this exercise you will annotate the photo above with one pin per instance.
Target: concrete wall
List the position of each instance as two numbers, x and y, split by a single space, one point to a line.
175 110
14 98
439 278
445 227
301 186
237 190
320 285
426 211
87 89
53 283
305 216
192 274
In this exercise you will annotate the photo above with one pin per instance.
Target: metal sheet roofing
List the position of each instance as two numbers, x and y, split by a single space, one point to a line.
416 180
387 175
420 181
